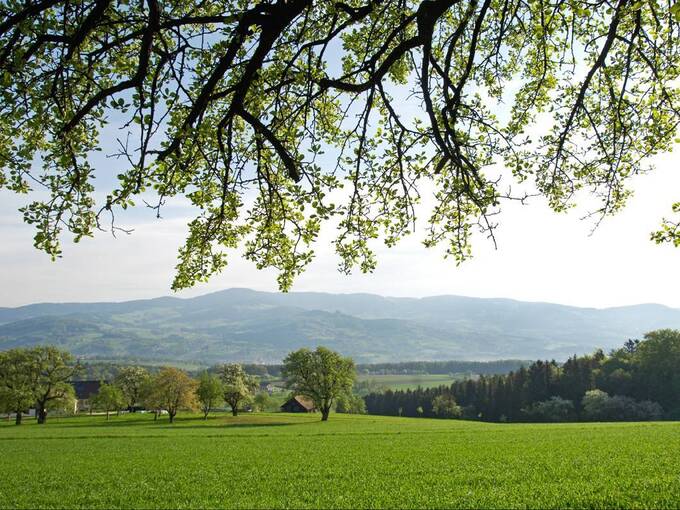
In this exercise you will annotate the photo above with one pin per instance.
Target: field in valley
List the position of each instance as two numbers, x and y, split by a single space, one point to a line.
280 460
412 381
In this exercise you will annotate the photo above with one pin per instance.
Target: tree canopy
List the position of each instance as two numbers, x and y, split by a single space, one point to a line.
173 390
17 389
109 398
210 392
51 372
237 386
131 381
321 375
276 117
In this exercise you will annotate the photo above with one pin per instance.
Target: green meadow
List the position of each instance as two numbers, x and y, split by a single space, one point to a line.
410 381
279 460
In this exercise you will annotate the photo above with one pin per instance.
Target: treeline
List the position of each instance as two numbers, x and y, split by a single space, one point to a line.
43 378
413 368
442 367
96 370
639 381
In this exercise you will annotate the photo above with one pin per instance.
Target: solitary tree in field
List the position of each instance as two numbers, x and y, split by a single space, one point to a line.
275 118
51 370
210 392
16 388
237 385
109 398
174 390
321 375
131 380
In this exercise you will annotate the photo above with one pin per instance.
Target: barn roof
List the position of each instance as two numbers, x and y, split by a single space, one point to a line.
305 402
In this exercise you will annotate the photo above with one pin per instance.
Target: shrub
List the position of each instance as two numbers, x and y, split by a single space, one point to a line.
599 406
555 409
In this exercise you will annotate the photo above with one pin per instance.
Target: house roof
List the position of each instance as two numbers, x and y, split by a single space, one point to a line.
85 389
303 401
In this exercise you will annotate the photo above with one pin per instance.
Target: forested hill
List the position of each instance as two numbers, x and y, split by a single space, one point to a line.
245 325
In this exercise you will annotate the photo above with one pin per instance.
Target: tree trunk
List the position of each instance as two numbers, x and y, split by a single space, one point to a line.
155 415
205 414
172 416
18 418
234 409
325 411
107 415
42 415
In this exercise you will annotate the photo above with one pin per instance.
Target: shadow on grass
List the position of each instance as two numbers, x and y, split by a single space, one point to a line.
226 425
181 422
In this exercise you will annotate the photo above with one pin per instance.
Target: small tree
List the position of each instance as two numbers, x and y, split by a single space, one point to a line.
445 406
350 404
175 390
238 386
16 390
150 398
264 402
131 380
321 375
110 398
51 370
210 392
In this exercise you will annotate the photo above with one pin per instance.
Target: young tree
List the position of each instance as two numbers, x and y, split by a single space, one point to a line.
109 398
174 390
350 404
219 124
51 370
321 375
150 397
264 402
238 386
210 392
445 406
131 380
16 390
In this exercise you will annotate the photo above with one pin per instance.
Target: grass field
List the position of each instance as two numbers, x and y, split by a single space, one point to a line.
279 460
403 382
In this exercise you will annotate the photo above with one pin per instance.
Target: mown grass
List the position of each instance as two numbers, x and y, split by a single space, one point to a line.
279 460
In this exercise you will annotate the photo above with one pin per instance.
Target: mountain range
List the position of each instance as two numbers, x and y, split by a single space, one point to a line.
250 326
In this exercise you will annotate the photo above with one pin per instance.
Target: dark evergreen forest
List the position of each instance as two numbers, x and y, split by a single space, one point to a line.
639 381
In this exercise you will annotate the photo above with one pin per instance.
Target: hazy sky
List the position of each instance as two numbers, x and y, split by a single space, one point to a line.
541 257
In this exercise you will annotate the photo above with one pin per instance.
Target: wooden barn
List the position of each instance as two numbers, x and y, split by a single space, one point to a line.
299 404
